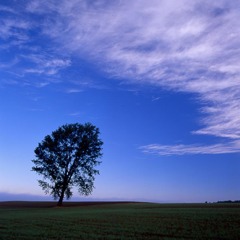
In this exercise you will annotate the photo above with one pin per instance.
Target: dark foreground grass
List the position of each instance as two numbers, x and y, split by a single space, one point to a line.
119 221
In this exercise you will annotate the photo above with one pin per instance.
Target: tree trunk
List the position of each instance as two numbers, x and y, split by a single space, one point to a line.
60 201
64 187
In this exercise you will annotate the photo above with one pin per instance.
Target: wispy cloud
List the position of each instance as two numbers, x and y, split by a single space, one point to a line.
73 90
75 114
6 9
24 50
181 149
13 27
45 64
184 46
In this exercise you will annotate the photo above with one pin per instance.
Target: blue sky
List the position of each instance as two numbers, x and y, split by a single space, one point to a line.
161 80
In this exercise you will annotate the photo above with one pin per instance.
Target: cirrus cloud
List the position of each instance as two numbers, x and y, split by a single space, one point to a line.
183 46
181 149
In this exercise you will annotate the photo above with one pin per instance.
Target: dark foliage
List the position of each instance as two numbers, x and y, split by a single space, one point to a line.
229 201
68 158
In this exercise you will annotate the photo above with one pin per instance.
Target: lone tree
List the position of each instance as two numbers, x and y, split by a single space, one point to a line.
68 158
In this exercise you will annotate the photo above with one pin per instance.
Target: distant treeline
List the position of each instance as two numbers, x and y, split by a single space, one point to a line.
229 201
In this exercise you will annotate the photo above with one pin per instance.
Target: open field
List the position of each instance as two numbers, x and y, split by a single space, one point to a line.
118 220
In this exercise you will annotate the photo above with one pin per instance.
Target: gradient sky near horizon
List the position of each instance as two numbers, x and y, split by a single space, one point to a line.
160 78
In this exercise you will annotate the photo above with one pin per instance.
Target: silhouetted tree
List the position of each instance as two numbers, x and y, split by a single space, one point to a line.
68 158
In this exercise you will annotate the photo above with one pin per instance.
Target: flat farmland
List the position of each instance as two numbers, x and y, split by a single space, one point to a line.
118 220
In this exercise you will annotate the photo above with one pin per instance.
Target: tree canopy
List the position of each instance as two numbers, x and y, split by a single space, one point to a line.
68 157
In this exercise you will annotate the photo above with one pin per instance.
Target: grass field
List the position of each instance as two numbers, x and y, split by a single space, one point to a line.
122 220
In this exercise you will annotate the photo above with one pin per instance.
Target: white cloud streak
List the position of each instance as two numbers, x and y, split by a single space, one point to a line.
44 64
73 90
22 41
181 45
181 149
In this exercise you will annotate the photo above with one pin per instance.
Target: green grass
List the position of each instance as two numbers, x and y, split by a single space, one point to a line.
120 221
